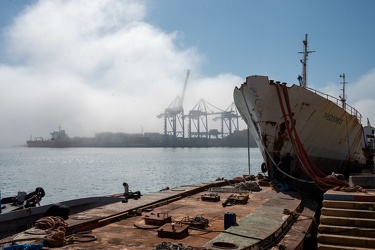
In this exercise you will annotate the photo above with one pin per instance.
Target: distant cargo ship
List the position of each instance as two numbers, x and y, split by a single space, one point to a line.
59 139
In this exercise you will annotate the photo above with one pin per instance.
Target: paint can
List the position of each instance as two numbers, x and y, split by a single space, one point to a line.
229 220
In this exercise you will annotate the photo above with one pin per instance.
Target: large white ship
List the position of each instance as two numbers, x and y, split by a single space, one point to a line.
322 133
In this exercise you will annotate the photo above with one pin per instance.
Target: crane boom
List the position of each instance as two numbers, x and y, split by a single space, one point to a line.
185 84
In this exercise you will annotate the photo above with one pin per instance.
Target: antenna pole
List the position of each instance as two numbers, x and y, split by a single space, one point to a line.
304 61
343 97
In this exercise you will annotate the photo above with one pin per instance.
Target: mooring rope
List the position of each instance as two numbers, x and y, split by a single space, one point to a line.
265 147
305 161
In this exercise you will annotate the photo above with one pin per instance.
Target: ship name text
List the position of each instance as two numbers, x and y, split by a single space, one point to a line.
332 118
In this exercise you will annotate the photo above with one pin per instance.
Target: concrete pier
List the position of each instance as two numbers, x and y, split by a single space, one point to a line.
366 180
347 219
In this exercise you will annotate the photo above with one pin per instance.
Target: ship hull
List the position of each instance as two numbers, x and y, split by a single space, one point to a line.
330 135
48 144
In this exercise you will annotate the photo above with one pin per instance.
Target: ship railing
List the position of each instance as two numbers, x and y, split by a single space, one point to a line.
351 110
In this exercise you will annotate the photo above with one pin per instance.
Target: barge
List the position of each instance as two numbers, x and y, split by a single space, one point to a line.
243 213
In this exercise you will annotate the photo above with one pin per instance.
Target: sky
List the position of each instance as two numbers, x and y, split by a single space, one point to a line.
114 65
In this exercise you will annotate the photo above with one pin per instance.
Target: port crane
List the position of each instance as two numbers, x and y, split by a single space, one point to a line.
229 120
198 120
174 119
174 116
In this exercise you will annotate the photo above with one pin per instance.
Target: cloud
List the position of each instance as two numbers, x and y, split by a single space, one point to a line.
362 93
98 66
359 94
91 67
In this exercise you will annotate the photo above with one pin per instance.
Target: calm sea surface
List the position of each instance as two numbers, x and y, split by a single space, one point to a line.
81 172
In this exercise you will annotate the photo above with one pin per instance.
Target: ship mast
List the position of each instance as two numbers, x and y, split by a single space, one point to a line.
303 79
343 96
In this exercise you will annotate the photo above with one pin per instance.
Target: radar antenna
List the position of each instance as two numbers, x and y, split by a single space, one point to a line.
303 79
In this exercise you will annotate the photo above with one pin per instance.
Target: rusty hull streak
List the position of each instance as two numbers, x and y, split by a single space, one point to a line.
303 104
265 139
265 136
271 123
254 91
281 138
308 119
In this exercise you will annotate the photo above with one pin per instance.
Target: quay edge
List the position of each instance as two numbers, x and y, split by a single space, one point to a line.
347 219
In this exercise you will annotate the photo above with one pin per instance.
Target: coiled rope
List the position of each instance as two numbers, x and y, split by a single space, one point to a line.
55 226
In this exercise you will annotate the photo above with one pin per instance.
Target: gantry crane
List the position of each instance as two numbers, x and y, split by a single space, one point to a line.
229 120
198 120
174 116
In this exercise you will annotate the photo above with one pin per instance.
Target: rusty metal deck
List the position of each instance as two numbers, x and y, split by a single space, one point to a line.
262 227
122 225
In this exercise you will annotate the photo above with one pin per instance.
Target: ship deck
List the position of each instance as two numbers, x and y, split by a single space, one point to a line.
258 220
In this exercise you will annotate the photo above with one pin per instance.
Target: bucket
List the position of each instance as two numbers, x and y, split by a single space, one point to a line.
229 220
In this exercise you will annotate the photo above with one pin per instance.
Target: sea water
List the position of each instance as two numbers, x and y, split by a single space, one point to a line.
71 173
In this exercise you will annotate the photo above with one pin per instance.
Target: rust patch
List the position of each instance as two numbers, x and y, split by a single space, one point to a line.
306 104
265 139
273 124
303 104
282 128
260 106
279 143
281 138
